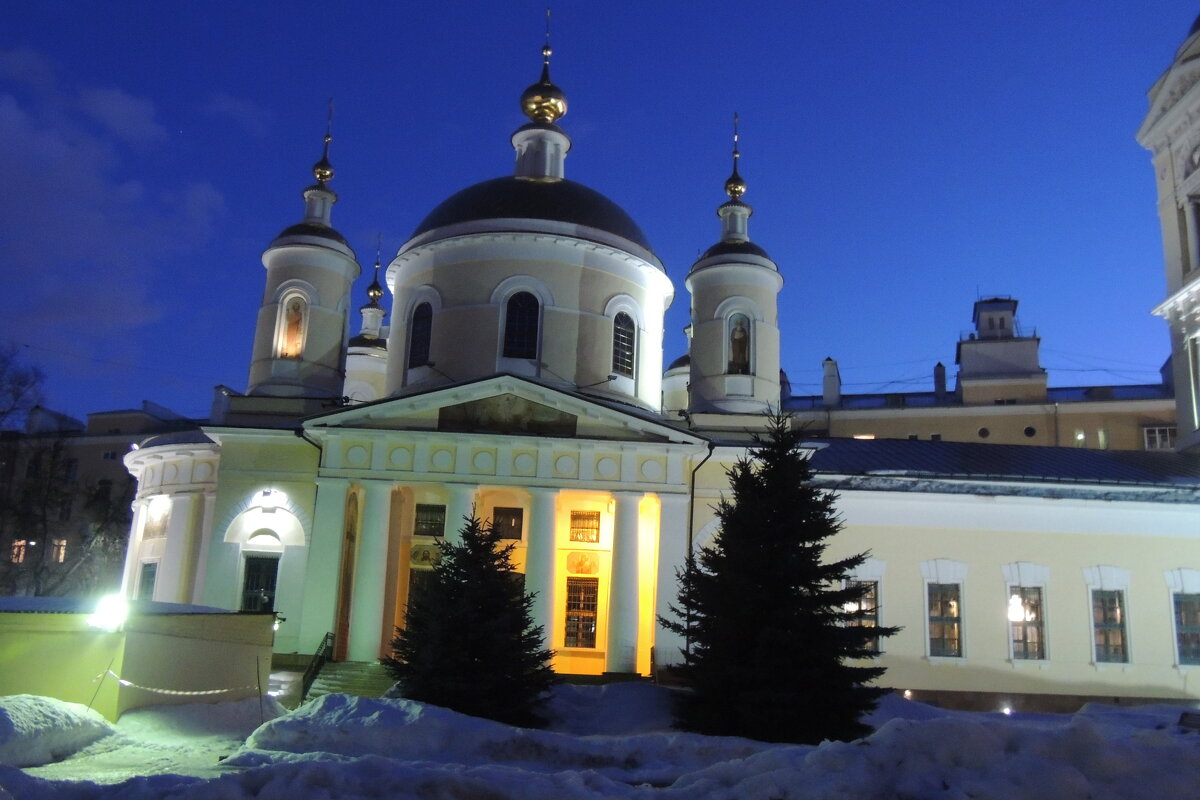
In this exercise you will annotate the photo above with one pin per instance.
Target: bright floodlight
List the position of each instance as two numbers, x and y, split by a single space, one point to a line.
110 613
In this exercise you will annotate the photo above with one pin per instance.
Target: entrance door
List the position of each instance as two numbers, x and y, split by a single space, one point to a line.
258 588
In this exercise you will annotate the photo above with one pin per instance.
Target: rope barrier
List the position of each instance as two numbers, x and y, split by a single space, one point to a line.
197 692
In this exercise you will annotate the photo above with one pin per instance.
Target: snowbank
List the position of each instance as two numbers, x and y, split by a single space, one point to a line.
352 748
38 730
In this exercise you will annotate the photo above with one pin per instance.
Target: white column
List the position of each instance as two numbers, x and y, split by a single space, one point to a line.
623 588
540 554
204 542
370 573
173 584
461 504
324 563
672 555
132 574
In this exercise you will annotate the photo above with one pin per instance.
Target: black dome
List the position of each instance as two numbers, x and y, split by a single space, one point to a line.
312 229
734 249
514 198
683 361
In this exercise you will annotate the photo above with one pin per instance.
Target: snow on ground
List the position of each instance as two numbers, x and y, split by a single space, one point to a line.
613 741
36 730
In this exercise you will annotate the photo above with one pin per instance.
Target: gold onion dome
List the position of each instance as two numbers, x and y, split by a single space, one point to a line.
543 101
323 170
735 186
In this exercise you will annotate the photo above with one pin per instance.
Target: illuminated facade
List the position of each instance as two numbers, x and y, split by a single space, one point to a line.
521 378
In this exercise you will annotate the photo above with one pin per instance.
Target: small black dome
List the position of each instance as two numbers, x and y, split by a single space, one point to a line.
683 361
312 229
734 249
1195 26
514 198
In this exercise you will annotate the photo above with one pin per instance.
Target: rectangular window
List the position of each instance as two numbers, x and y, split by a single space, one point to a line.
146 580
507 522
868 608
1108 623
945 620
582 595
17 553
585 526
64 509
258 587
1159 437
58 550
1187 627
1025 623
430 521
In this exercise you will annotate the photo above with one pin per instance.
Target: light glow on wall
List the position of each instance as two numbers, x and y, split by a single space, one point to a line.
110 614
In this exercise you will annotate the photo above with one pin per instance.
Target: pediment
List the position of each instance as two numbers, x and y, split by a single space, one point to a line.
1173 86
504 405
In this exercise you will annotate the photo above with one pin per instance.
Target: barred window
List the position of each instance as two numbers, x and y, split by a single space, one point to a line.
521 326
1025 623
945 620
507 522
624 336
585 526
420 334
1187 627
430 520
1108 624
582 596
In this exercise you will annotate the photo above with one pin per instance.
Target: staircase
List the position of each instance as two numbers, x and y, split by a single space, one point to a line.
351 677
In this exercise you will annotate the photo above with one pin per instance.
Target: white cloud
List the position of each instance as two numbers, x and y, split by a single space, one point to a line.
252 118
127 117
85 229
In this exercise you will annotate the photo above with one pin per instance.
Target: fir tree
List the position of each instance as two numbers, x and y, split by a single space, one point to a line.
772 637
469 643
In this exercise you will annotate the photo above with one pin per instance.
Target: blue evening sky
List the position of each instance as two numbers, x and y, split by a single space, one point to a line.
903 159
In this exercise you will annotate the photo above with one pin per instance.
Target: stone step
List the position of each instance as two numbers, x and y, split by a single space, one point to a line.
352 677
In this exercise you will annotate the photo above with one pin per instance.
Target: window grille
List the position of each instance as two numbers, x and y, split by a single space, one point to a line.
521 326
623 344
582 601
585 526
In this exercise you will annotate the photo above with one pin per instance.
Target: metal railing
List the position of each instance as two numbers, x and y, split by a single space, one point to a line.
324 654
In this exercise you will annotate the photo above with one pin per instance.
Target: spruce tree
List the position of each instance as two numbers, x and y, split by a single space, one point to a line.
469 643
774 652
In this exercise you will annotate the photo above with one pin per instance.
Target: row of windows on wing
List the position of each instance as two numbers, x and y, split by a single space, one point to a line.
1026 617
522 333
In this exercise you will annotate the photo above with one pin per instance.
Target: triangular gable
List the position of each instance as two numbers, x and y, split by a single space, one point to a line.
1174 85
504 404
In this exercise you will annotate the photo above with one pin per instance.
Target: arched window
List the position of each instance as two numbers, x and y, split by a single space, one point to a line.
739 345
291 327
624 338
419 336
521 326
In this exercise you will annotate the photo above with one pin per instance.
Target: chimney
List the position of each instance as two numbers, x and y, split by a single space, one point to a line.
831 384
939 381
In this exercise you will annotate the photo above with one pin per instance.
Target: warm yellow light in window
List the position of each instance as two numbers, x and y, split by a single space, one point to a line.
864 436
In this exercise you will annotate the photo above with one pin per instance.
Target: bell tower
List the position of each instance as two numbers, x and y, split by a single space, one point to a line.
299 340
734 347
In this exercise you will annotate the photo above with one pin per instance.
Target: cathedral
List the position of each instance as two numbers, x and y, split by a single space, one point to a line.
518 375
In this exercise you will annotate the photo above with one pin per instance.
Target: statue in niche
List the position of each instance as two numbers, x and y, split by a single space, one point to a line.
293 328
739 345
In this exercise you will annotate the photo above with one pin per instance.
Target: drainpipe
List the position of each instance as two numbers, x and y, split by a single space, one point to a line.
687 641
